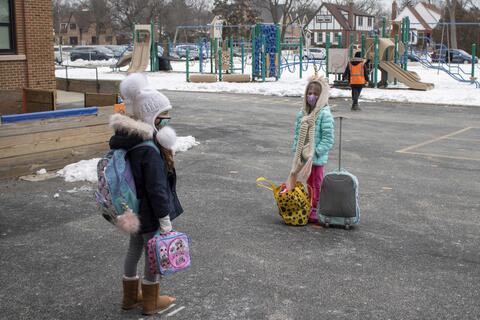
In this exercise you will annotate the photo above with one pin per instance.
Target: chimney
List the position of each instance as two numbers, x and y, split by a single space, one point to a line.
394 10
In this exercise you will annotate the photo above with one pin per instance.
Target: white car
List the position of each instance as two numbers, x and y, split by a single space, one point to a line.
314 54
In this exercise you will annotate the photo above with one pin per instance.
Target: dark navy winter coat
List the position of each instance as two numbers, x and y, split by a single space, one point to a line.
156 186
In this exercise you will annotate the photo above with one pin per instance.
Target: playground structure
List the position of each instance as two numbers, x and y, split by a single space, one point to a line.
383 53
145 50
230 58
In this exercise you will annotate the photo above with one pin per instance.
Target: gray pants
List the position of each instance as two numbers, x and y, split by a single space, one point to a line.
137 245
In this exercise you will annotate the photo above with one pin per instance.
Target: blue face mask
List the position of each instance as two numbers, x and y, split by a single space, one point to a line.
312 100
164 122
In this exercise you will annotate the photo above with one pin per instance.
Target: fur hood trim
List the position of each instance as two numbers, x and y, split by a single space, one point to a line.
130 126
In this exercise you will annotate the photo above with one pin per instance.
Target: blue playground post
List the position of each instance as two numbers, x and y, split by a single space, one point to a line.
264 59
200 55
301 57
327 47
188 64
375 61
279 51
211 55
254 59
474 56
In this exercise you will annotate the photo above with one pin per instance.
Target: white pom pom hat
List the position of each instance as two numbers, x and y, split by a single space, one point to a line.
130 87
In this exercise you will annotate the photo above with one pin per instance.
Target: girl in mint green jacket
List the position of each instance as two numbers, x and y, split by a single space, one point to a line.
313 139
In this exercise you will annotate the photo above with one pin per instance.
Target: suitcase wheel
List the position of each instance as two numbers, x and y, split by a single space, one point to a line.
347 227
326 225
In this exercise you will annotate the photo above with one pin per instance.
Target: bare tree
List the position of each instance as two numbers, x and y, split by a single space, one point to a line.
281 10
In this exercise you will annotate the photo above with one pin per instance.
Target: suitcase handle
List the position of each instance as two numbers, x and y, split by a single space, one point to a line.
340 143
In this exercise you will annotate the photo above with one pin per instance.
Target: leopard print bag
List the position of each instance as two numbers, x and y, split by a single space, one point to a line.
293 206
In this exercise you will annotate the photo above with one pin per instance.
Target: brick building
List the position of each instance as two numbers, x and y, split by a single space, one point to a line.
26 50
80 28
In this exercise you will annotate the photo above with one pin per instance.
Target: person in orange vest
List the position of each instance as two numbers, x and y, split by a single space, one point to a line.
357 75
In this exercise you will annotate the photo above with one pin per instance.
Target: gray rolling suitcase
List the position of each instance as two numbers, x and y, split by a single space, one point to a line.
338 203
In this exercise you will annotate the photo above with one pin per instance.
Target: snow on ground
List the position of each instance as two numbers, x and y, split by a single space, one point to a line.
90 63
86 170
446 91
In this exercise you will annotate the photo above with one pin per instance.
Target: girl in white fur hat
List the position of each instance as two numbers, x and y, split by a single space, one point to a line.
155 182
313 139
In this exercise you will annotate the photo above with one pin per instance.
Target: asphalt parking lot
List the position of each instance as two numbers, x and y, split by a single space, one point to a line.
415 254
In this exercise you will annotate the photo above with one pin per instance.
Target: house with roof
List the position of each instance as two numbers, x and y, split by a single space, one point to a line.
80 28
424 17
339 22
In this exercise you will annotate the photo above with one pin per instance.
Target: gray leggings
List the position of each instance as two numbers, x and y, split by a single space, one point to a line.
138 244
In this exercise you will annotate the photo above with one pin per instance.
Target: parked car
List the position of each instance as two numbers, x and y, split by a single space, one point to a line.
91 53
60 57
118 50
314 54
452 56
181 51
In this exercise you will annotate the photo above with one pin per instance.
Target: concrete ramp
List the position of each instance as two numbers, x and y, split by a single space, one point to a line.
407 78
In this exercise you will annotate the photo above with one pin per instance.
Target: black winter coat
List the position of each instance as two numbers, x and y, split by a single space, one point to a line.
156 186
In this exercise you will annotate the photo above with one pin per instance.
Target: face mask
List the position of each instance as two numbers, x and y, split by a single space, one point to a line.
312 100
164 122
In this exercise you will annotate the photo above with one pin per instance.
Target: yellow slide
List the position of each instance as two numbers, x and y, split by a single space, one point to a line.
409 79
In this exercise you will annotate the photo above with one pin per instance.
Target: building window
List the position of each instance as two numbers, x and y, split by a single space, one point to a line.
320 37
73 41
7 27
73 26
109 39
94 40
370 22
360 21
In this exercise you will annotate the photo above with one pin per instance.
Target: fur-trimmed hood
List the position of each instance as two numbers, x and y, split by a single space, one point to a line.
128 131
129 126
324 95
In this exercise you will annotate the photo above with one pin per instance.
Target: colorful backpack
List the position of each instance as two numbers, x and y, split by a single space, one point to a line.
168 253
116 195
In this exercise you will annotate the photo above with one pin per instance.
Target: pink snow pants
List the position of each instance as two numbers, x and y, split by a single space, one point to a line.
314 182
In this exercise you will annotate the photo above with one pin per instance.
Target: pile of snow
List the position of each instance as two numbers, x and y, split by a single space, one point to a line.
446 91
90 63
184 143
84 170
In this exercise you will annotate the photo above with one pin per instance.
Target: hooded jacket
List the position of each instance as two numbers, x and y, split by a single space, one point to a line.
324 125
155 185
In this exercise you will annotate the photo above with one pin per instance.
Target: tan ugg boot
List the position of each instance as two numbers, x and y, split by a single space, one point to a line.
132 295
152 301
